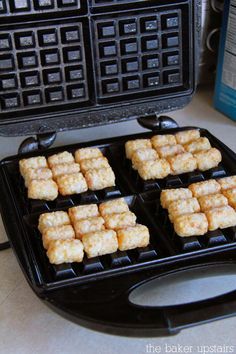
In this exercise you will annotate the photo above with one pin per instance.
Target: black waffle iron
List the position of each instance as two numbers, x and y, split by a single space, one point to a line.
67 64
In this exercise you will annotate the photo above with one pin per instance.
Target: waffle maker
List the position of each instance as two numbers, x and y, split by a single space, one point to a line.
69 64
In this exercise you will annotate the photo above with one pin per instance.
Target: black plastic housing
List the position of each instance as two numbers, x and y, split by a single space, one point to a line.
67 64
95 293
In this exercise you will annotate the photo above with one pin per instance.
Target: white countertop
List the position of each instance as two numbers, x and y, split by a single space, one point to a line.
27 326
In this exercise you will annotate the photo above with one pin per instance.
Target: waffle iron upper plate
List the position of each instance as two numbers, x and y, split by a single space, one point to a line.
68 64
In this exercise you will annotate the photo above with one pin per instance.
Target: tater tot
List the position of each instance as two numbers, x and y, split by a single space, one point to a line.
184 206
85 226
56 218
204 188
65 251
227 182
62 157
62 232
182 163
87 153
201 144
37 173
132 145
191 225
212 201
170 195
100 243
208 159
230 194
221 218
154 169
132 237
65 169
32 162
113 207
95 163
42 189
170 150
187 136
72 184
162 140
141 155
120 220
100 179
83 212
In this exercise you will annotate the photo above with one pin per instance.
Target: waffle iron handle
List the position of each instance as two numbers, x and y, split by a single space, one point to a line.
105 306
157 123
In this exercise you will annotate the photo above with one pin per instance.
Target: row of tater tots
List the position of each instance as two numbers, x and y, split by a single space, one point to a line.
203 206
175 154
66 174
91 229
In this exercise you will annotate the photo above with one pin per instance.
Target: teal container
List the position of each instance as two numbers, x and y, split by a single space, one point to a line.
225 88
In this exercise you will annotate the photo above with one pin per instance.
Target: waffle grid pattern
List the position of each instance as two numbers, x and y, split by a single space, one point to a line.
139 53
43 66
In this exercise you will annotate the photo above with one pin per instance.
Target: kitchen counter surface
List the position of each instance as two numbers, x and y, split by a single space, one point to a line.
27 326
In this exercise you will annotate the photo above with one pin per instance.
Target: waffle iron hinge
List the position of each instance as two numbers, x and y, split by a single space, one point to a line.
157 123
40 142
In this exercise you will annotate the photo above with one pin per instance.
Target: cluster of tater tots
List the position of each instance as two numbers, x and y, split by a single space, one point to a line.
162 155
66 174
91 229
203 206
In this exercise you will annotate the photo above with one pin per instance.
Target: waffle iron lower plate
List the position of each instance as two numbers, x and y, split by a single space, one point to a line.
95 293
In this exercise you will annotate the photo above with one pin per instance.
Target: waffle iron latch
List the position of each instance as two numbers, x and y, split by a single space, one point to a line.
157 123
40 142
